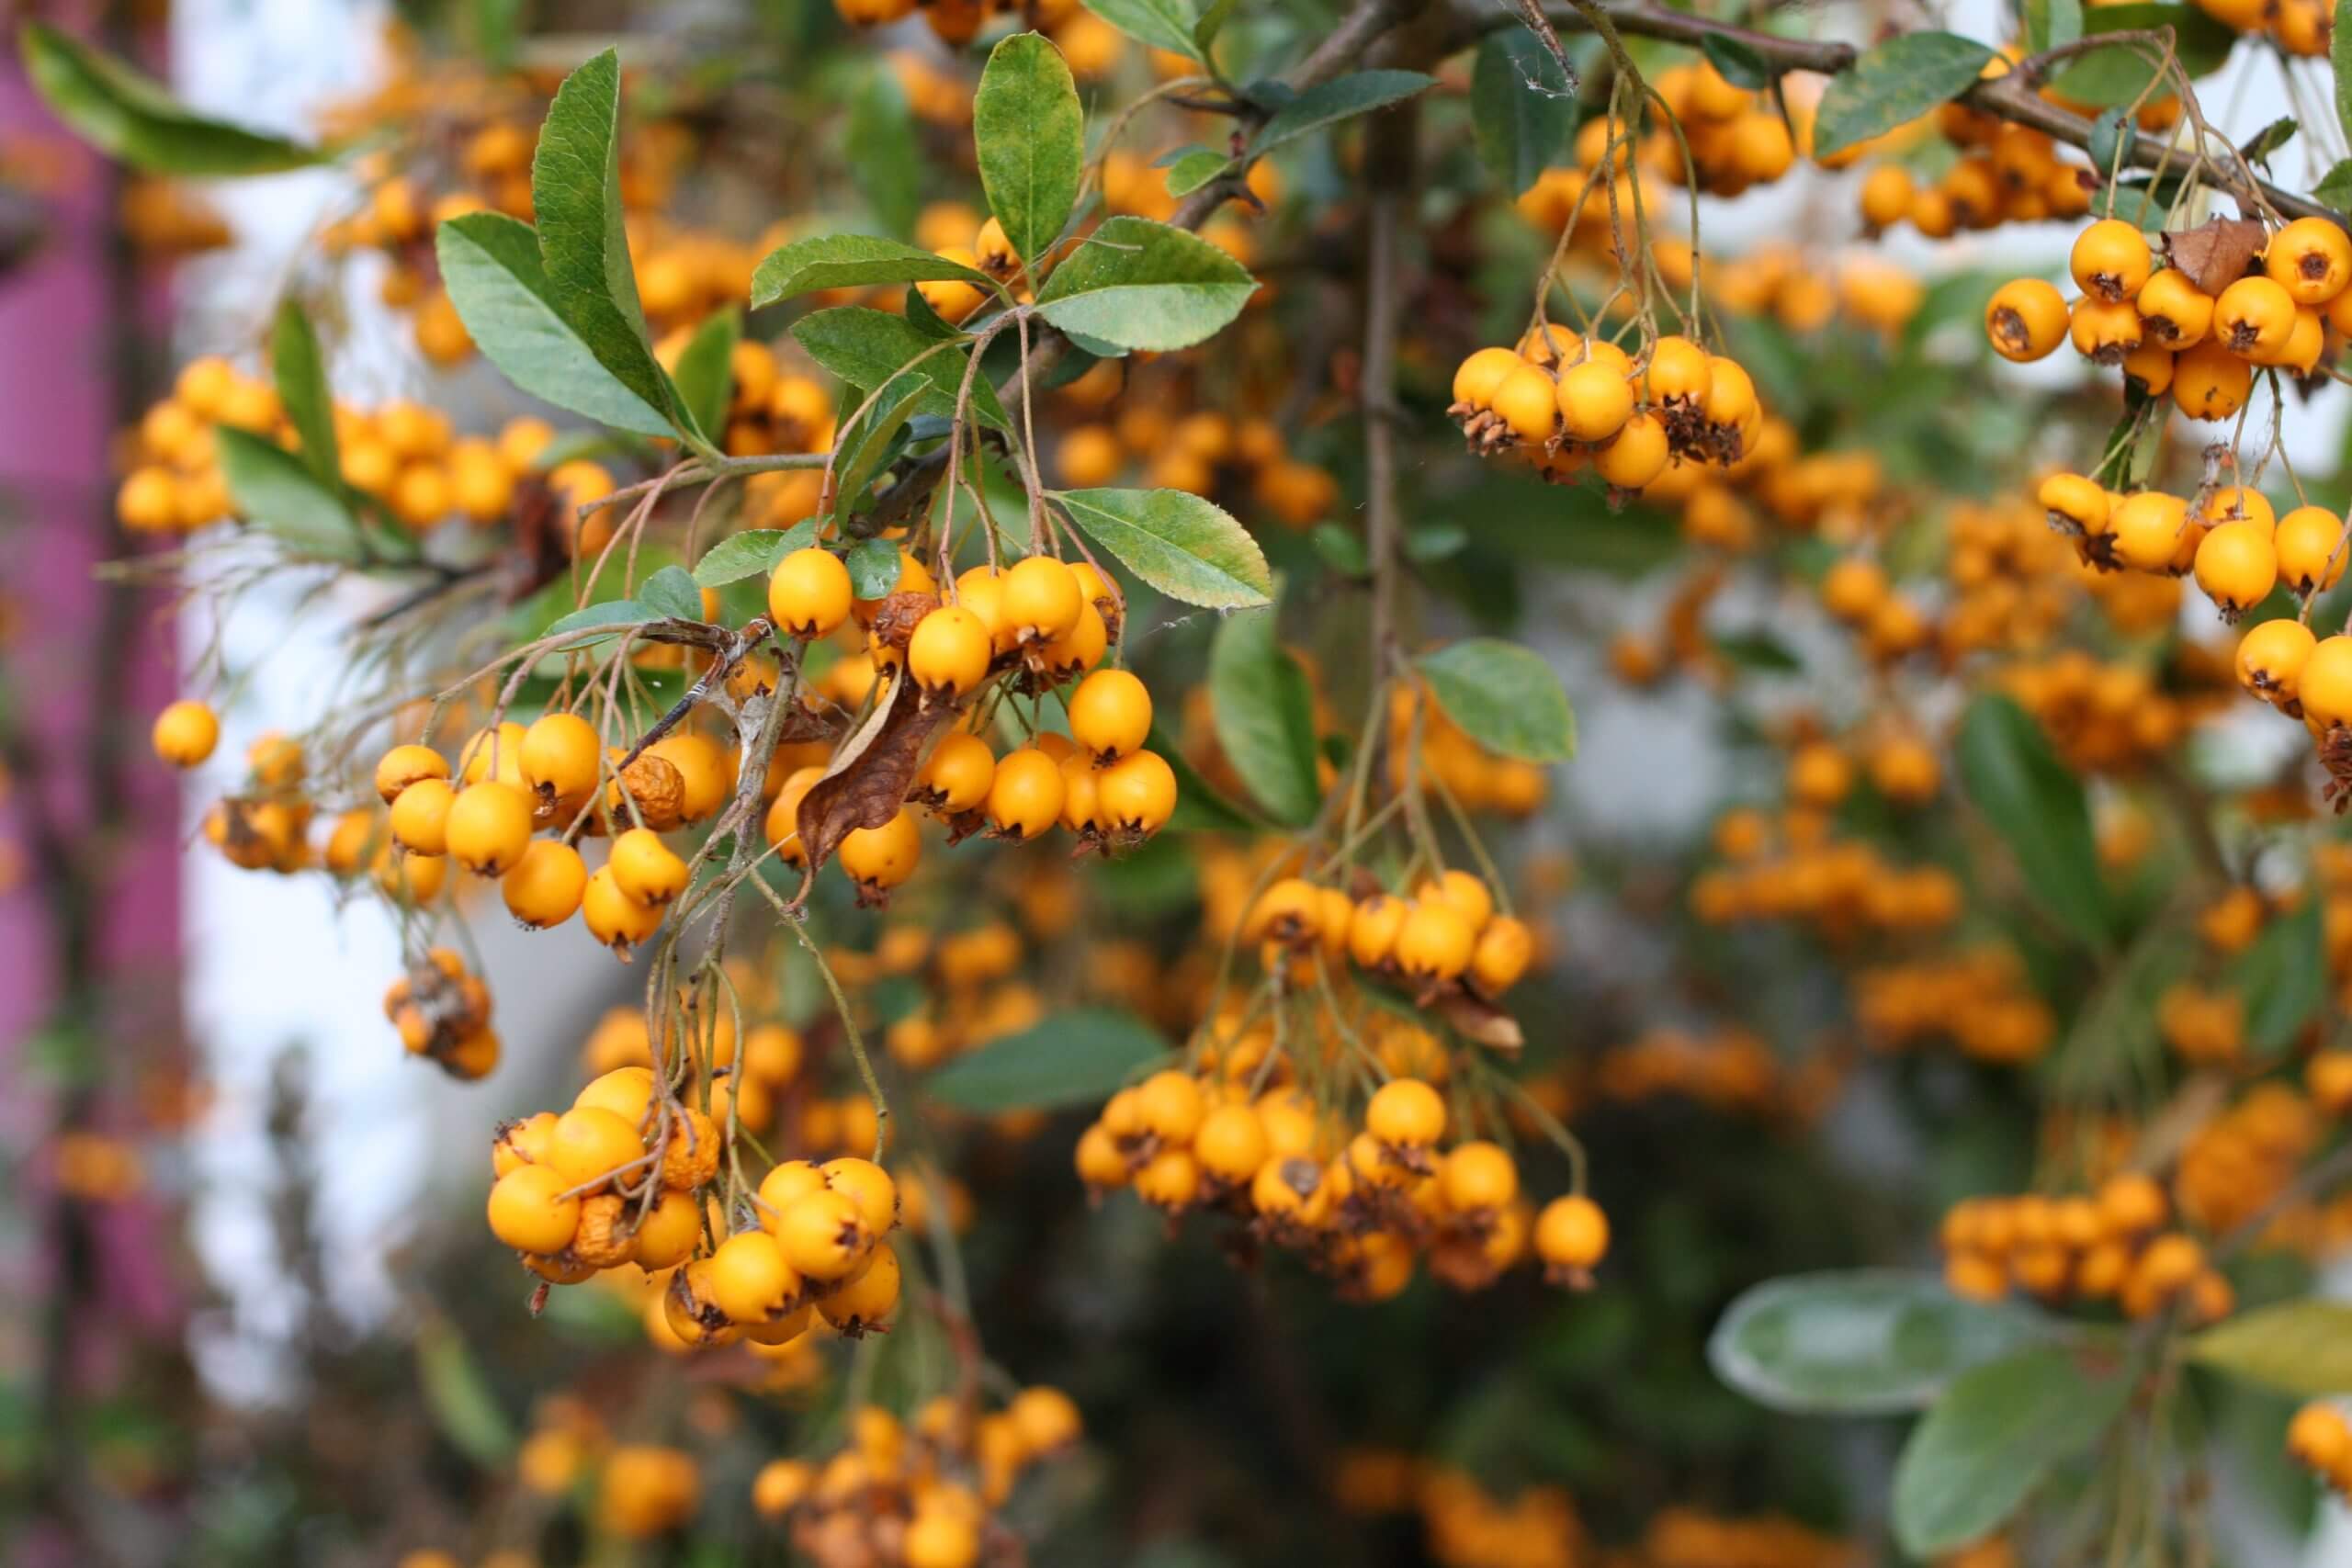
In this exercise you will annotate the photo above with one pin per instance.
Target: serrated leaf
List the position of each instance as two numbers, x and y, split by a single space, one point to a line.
2036 808
1994 1436
1263 711
1895 82
1079 1056
300 373
2119 76
1860 1342
2335 188
491 266
1519 106
1194 170
2283 978
462 1404
866 347
1188 548
853 260
885 155
1737 62
752 553
1029 137
874 565
576 196
1145 285
672 592
1504 697
1162 24
132 118
706 373
274 489
1341 98
2303 1348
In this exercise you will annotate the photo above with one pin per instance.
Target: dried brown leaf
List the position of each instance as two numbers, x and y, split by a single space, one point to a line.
866 784
1481 1021
2216 252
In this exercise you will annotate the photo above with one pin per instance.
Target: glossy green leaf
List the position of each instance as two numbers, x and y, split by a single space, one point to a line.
1897 82
1860 1342
752 553
1188 548
873 567
1341 98
876 441
1994 1436
2283 978
300 372
275 490
706 373
672 592
490 263
853 260
1029 136
866 347
2119 76
1162 24
1519 106
1263 711
2303 1348
1145 285
1504 697
1196 169
575 194
2036 808
132 118
1077 1057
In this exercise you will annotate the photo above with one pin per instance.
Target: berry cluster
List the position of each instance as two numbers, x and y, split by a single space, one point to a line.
2110 1245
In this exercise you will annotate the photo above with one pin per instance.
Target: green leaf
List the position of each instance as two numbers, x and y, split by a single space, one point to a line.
1212 23
2112 134
1519 106
1995 1434
1188 548
1859 1342
2303 1348
672 592
1145 285
2052 22
2270 139
460 1397
1164 24
705 375
132 118
752 553
2117 75
1504 697
302 375
605 615
1737 62
1264 713
853 260
1341 98
1029 136
490 263
878 441
873 567
1340 549
276 489
1897 82
2339 59
2283 978
1080 1056
2335 188
866 347
883 153
2036 808
576 195
1201 807
1196 169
